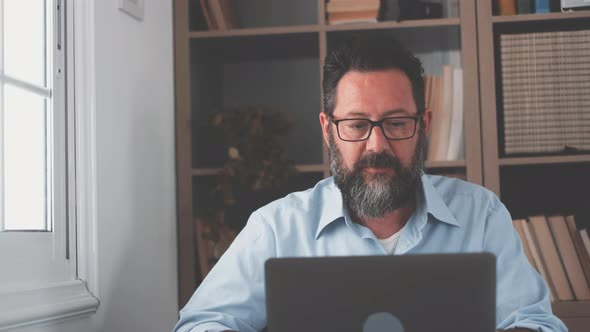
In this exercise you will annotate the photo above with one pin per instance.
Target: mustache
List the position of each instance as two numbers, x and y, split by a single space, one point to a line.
378 160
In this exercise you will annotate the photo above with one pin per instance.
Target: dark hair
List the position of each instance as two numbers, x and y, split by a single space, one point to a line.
371 53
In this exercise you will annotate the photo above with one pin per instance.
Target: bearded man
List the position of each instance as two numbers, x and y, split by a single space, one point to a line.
378 202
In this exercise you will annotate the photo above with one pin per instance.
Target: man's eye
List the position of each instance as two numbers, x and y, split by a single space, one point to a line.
357 125
396 124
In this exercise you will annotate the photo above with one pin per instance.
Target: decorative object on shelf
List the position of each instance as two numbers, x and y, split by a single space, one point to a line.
419 10
544 91
399 10
568 5
255 171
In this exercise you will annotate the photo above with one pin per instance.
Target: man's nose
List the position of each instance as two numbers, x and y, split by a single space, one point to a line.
377 141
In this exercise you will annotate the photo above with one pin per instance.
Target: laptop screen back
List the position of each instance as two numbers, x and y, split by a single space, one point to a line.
410 293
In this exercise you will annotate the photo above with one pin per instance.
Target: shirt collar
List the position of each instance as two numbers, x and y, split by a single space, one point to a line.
434 203
331 206
332 209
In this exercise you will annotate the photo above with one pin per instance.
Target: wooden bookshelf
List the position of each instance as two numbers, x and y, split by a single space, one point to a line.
212 67
284 38
530 184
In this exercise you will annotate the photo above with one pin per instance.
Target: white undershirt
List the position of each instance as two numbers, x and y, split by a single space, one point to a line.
390 243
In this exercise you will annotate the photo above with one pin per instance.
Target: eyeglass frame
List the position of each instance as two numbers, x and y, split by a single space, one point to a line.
377 124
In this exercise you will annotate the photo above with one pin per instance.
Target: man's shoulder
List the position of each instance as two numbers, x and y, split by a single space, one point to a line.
300 201
450 187
467 202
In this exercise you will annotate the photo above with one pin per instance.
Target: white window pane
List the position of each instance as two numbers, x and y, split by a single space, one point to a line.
25 160
24 40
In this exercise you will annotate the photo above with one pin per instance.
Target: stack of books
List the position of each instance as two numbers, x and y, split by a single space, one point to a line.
546 91
558 247
444 97
219 14
352 11
514 7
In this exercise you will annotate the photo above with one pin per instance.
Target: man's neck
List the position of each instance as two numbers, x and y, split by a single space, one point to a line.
389 224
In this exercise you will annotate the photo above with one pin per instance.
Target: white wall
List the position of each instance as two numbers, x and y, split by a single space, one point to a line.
137 261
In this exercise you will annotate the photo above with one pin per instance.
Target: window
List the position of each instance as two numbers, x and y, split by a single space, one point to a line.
47 178
33 201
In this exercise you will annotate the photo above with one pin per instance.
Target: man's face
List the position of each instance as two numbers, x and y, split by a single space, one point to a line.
376 176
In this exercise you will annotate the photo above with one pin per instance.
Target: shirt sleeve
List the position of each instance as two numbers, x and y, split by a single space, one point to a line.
232 297
522 296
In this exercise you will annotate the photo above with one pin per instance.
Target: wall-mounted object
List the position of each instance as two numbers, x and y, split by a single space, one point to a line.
133 8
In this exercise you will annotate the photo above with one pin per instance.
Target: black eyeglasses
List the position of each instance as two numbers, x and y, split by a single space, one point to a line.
393 128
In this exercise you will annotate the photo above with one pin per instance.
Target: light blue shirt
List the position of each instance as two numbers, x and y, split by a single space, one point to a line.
451 216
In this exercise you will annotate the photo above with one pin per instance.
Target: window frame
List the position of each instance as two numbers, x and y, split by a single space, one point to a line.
76 296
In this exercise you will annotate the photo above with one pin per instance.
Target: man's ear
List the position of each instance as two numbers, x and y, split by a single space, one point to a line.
325 122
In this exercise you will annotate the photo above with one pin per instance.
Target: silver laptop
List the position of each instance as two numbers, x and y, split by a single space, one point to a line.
409 293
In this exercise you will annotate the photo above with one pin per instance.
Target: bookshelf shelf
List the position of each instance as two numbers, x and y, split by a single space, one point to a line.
544 160
446 164
314 168
255 31
547 17
441 22
571 308
311 168
205 171
575 314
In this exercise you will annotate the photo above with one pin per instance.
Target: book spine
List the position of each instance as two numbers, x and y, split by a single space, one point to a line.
349 17
445 113
454 151
570 259
585 239
524 6
519 226
207 15
217 14
228 10
542 6
506 7
435 106
579 246
352 6
539 262
551 257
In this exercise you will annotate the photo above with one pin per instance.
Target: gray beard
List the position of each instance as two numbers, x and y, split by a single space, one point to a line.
379 194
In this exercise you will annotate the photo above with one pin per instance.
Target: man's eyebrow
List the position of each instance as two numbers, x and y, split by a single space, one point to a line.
398 111
361 114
